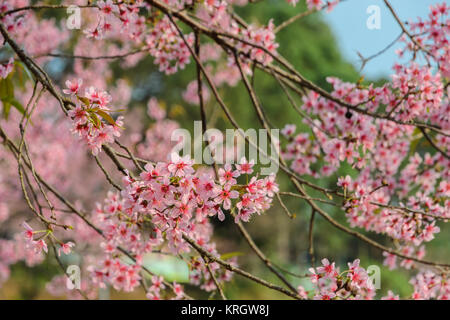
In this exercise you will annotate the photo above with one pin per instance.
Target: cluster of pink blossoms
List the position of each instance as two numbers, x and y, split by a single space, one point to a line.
429 285
163 41
363 210
300 149
264 38
12 22
331 284
432 35
254 39
111 17
157 287
376 148
167 47
397 191
316 4
421 93
355 283
171 200
88 113
39 244
37 37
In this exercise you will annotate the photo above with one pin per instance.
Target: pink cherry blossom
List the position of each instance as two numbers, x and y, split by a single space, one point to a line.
73 86
66 247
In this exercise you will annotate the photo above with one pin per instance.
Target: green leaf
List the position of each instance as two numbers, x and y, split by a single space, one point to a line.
22 66
6 88
7 95
95 120
106 116
417 132
17 105
6 109
413 145
8 102
85 101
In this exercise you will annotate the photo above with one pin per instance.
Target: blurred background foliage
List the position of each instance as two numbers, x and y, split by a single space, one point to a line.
310 46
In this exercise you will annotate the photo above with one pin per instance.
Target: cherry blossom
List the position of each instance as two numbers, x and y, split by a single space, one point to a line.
66 247
87 114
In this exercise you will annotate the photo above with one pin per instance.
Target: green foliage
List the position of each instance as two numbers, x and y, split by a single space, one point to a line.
7 92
